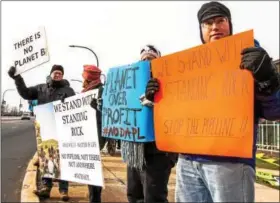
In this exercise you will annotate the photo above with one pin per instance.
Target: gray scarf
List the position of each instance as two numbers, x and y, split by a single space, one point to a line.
133 154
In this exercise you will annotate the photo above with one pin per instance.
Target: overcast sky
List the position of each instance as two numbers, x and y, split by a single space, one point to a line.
117 31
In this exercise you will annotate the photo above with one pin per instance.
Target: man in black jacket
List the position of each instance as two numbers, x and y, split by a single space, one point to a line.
56 88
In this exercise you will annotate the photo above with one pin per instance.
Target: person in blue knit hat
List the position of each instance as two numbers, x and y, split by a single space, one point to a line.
202 178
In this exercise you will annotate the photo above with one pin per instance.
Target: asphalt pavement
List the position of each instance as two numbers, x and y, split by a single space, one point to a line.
18 145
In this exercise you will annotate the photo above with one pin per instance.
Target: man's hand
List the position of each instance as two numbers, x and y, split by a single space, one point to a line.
63 97
257 60
151 89
93 103
96 103
12 72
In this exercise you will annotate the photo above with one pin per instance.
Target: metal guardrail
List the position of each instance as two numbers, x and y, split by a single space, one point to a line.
269 136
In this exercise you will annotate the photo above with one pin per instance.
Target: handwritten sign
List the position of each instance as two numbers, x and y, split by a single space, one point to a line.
30 51
205 104
123 116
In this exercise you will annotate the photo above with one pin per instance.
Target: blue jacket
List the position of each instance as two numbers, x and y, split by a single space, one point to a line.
267 107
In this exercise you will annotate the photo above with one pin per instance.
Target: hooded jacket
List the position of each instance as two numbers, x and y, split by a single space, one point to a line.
102 140
44 93
267 107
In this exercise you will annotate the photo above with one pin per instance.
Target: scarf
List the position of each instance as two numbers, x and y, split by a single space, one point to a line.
91 77
133 154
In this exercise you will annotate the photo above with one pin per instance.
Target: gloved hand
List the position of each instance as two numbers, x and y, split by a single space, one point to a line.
63 97
96 103
151 89
93 103
12 72
257 60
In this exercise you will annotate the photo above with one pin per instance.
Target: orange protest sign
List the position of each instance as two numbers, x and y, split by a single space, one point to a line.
206 102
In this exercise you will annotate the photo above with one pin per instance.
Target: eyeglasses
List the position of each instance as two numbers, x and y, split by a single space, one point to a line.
219 21
58 73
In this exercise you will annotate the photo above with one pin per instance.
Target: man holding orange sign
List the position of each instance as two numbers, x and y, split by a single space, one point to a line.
202 177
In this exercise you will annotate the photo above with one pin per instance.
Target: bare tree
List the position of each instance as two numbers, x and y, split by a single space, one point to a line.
14 111
4 109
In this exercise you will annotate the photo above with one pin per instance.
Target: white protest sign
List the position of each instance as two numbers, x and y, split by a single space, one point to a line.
76 127
69 140
30 51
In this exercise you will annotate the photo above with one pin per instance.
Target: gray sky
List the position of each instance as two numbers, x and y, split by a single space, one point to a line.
117 31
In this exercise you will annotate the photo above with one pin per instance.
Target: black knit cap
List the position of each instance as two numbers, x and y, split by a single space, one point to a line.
57 67
211 10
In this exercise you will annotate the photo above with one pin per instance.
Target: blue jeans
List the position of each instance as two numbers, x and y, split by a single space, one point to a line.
48 183
214 182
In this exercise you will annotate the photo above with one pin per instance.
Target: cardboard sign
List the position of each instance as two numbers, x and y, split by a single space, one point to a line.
30 51
206 102
67 138
123 116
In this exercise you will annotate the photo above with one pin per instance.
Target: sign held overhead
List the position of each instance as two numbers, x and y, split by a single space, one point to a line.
30 51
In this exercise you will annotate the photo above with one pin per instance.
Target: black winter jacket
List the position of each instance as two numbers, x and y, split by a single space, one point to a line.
102 140
44 93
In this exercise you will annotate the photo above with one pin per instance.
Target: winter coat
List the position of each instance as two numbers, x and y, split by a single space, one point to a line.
44 93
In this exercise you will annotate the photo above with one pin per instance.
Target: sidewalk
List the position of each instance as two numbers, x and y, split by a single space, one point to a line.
115 182
114 170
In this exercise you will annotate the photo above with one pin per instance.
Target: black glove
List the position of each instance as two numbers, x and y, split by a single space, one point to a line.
93 103
63 97
12 72
257 60
151 89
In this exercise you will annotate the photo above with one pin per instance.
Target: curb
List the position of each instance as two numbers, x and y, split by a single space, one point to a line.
3 118
29 183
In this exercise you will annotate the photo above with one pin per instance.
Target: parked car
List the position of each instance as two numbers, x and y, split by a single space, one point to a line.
25 116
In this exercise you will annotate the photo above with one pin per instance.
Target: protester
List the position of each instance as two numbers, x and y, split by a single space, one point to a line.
56 88
92 81
203 178
148 169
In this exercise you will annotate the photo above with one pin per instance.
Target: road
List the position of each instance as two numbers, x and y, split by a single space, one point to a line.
18 145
